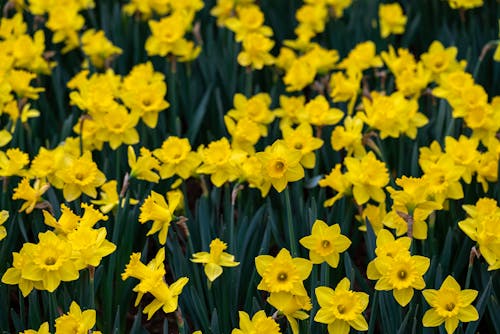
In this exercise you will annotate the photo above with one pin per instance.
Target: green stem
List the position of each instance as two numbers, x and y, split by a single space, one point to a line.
325 274
289 221
248 81
473 253
373 314
91 287
53 314
172 96
117 164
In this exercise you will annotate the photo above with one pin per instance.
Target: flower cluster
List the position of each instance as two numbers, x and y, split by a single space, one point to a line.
59 255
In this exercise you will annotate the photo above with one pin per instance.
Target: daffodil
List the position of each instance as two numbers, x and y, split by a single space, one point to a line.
361 57
142 168
249 19
450 304
301 138
392 20
387 246
255 108
338 182
32 195
143 91
98 48
13 162
300 74
89 246
68 221
291 110
152 281
325 243
256 51
349 137
291 306
81 175
49 261
402 274
177 158
281 164
109 197
14 274
440 60
368 177
341 308
319 113
245 133
283 273
44 329
260 323
220 161
215 259
155 208
75 321
483 226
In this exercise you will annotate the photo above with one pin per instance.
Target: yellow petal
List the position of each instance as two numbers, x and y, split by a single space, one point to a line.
213 271
403 296
432 318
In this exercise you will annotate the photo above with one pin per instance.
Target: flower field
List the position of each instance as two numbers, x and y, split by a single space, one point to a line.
249 167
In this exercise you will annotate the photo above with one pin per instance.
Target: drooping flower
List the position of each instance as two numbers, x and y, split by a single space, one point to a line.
483 226
109 197
143 167
215 259
68 221
341 308
450 304
32 195
152 281
155 208
338 182
292 307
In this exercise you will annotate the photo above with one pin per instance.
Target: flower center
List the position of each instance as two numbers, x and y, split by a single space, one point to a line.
50 261
449 307
341 309
298 146
402 274
279 166
282 277
325 243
